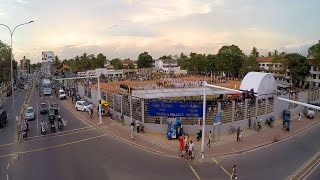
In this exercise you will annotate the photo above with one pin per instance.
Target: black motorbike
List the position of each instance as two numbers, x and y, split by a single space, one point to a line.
53 128
269 122
199 135
60 125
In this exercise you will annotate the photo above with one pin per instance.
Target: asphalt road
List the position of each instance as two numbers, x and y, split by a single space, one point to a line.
8 133
315 173
81 151
278 161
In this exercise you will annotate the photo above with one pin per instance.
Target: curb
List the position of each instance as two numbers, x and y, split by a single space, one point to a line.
78 116
302 172
25 103
266 144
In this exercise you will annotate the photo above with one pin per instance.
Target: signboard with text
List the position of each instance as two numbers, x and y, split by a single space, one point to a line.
176 109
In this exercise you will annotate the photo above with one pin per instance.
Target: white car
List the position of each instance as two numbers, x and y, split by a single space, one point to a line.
83 106
62 94
309 112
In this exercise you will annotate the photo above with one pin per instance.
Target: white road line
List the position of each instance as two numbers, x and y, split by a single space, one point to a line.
7 177
8 166
194 172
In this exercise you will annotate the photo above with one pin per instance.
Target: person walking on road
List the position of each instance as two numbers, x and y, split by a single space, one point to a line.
90 113
191 150
234 173
209 139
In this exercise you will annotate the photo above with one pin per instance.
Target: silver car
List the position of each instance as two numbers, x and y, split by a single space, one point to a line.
30 114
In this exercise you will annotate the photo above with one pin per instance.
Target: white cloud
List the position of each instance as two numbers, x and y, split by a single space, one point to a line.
22 1
155 11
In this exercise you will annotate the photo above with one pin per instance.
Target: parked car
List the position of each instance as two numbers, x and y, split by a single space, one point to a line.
3 118
309 112
30 114
83 105
43 108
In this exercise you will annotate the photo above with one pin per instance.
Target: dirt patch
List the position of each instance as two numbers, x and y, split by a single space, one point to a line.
114 86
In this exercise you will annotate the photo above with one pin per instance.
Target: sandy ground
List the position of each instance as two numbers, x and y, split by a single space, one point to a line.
114 86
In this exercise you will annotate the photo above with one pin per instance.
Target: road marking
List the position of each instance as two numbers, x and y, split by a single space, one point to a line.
8 166
55 146
7 177
78 116
221 167
36 138
303 172
9 144
194 172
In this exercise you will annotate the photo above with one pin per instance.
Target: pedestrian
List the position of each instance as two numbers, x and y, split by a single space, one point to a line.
234 173
190 149
91 113
299 116
238 133
131 130
240 136
209 139
122 120
249 123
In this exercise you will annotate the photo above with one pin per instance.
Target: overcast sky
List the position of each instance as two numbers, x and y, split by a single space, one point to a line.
125 28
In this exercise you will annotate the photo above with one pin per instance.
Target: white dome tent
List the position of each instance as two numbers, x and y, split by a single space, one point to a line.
261 83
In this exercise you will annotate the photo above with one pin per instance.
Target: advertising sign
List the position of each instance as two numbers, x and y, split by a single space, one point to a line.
47 56
217 118
175 109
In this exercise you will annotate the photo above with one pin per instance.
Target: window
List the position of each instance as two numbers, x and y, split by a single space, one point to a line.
263 64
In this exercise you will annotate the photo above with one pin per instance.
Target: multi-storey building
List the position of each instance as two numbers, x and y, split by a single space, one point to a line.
25 66
267 65
166 65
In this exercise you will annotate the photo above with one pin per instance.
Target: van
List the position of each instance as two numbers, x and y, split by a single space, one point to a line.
309 112
3 118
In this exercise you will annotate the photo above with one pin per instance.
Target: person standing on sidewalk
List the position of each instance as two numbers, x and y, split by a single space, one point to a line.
238 133
299 116
240 136
131 130
209 139
249 123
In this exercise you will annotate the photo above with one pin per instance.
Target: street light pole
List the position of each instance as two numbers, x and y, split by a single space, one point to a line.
11 58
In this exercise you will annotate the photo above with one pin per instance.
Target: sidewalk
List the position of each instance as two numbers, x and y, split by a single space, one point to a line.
226 145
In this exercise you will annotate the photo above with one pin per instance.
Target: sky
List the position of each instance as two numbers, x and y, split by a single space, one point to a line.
125 28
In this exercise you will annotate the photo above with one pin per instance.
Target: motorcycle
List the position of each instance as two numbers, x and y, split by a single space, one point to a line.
269 122
199 135
43 130
24 134
60 125
53 128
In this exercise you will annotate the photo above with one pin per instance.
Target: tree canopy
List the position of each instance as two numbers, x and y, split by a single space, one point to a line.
298 67
230 58
314 51
144 60
5 63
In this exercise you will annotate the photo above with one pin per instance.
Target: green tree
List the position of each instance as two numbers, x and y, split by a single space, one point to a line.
117 63
56 64
144 60
166 57
183 61
230 58
250 64
254 52
5 63
314 52
210 64
298 67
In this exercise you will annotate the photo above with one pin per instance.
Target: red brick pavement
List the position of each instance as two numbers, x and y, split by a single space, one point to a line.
227 144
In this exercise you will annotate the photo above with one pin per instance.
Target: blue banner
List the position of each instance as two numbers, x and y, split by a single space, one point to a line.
176 109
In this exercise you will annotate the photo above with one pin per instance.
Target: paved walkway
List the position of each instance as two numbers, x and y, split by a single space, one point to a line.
226 145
